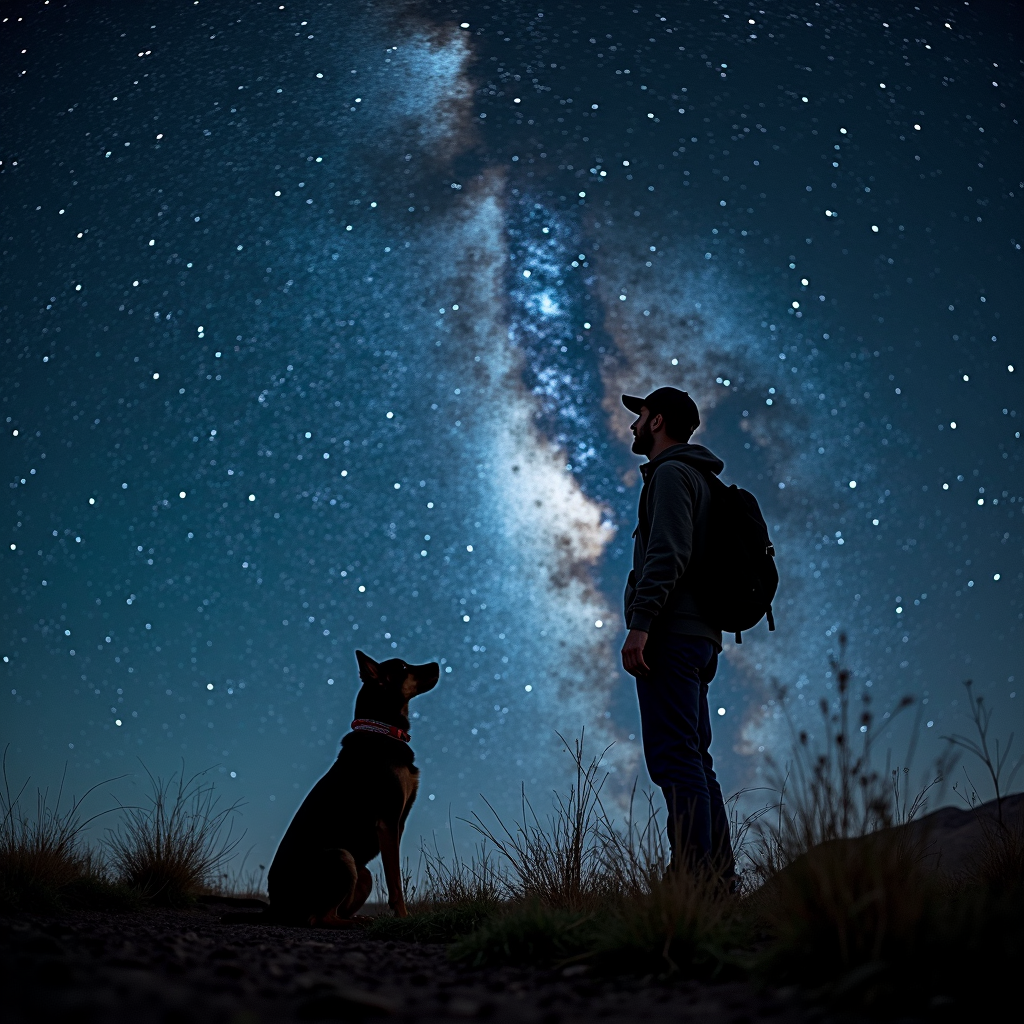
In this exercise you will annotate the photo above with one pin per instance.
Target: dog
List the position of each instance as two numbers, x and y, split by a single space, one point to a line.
358 809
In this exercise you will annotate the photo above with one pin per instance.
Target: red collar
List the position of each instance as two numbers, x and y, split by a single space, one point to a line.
380 728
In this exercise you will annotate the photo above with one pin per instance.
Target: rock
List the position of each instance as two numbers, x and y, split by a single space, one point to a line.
954 840
575 971
346 1004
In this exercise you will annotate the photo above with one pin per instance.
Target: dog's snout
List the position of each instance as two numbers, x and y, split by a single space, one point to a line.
427 676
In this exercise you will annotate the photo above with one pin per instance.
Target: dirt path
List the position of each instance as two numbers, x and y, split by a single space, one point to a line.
172 967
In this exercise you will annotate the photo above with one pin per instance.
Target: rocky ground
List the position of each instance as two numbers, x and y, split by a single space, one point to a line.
183 966
173 967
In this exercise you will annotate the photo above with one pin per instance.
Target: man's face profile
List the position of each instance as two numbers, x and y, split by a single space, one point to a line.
643 439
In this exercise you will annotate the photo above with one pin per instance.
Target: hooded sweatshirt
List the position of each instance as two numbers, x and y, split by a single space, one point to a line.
674 507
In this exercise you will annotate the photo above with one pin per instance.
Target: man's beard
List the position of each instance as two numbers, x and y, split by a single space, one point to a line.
644 440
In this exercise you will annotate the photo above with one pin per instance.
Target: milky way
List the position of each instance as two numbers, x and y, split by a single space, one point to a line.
316 319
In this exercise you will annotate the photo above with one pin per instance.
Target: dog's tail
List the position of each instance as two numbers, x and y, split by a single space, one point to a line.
244 909
240 902
249 917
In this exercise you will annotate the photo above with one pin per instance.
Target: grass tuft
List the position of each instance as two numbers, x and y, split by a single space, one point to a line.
999 864
831 790
559 862
44 864
841 906
239 882
851 904
572 886
862 921
438 924
530 933
683 923
171 850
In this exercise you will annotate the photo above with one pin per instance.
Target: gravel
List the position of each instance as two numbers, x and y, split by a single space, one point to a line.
173 967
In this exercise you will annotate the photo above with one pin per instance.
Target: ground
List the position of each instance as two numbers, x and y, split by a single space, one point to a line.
172 967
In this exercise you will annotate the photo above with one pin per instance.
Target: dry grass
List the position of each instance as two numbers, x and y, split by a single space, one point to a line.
576 858
167 852
831 790
1000 861
994 755
840 905
860 921
451 896
682 922
172 850
240 882
838 895
43 859
446 881
849 903
574 886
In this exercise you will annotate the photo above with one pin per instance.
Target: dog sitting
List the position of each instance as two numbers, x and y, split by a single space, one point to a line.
357 810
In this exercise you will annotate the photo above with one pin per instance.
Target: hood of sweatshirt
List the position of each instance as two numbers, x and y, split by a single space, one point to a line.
695 455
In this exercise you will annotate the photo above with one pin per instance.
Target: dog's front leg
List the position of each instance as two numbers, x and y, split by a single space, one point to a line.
388 837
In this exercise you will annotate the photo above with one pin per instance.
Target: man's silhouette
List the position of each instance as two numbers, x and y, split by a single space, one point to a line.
670 649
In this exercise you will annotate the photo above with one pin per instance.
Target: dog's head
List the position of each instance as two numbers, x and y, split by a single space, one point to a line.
388 686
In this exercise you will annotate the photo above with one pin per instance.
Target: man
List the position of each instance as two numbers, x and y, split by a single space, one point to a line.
670 649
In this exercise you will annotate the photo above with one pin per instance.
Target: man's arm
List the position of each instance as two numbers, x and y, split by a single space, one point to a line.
670 504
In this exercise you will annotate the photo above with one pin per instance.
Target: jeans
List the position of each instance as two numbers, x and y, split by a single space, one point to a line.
676 730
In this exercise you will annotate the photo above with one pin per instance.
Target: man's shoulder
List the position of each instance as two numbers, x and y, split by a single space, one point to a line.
680 472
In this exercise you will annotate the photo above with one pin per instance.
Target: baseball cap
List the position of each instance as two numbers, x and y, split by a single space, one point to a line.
666 400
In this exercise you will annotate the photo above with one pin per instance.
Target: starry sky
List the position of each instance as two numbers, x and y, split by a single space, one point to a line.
315 317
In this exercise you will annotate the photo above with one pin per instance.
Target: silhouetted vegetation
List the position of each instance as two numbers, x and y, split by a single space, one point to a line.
166 853
170 850
842 892
994 757
44 863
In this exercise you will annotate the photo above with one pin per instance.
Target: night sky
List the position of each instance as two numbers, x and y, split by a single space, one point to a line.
315 318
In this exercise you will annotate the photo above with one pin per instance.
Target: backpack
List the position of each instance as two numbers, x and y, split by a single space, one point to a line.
736 577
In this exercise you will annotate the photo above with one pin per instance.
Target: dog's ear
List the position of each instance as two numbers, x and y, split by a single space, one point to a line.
369 670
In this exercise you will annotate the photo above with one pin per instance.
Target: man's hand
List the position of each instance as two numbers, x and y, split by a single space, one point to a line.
633 653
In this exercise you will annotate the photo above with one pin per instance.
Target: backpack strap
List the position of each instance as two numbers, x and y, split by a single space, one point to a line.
771 624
